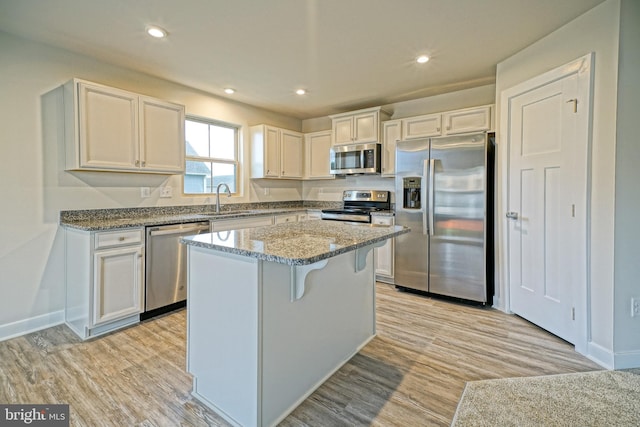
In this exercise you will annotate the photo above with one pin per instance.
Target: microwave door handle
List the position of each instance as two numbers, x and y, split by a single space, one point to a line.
362 157
432 195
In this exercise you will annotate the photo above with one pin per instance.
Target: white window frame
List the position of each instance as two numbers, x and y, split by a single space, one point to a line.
236 162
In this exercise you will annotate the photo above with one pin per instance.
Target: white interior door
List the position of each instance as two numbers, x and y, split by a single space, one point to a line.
547 200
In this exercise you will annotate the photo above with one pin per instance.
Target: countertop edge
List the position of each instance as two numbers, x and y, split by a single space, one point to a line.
294 261
150 221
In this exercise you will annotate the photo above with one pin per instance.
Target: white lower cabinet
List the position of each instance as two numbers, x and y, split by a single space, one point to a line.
117 284
384 254
104 280
284 218
310 216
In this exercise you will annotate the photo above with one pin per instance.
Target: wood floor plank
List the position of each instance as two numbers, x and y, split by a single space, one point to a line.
412 373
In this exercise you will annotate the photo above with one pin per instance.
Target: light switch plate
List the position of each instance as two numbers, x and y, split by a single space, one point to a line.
145 192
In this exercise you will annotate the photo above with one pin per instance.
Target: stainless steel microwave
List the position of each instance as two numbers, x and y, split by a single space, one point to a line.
353 159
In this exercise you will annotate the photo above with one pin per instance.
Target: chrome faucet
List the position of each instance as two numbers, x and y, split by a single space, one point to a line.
218 195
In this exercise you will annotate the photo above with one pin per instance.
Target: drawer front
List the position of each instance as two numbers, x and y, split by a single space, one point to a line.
281 219
109 239
382 220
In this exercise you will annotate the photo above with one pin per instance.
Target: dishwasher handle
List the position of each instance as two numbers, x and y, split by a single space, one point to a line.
163 231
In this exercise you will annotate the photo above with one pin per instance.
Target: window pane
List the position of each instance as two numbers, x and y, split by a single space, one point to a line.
224 172
197 137
197 177
223 143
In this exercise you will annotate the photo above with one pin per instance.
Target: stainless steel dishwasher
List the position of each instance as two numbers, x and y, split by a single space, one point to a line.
166 267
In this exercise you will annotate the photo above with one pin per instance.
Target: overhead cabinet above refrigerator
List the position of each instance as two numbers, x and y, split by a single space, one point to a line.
444 194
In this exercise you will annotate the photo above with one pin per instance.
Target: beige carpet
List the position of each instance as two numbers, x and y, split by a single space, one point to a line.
602 398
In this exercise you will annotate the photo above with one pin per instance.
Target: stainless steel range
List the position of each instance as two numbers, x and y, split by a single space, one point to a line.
358 205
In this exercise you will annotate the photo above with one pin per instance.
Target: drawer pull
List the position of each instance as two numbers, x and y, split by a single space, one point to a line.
122 238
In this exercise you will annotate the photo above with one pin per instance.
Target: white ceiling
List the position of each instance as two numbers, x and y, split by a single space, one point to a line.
348 54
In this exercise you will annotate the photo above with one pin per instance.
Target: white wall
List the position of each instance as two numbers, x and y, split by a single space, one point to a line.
35 188
627 202
595 31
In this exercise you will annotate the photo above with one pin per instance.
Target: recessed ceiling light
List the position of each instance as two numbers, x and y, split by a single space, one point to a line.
422 59
157 32
229 91
301 91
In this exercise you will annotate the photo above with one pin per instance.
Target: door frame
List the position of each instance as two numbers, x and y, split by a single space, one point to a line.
583 67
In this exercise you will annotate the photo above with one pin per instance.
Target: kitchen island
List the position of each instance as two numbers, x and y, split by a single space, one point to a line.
275 311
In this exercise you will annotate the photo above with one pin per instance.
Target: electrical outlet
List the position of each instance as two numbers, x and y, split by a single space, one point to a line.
145 192
166 192
635 307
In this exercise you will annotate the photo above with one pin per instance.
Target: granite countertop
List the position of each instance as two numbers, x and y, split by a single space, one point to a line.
102 222
299 243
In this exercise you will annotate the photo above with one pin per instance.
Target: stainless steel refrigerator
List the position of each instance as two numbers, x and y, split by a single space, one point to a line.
444 193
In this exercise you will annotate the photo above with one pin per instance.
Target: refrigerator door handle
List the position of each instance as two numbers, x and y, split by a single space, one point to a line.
432 196
425 207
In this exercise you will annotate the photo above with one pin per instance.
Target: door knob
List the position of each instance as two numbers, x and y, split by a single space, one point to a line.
512 215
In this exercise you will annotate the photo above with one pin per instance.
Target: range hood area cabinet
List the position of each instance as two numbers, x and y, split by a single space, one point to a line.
109 129
359 126
276 153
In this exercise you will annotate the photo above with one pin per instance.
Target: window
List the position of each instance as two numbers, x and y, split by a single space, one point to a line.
211 150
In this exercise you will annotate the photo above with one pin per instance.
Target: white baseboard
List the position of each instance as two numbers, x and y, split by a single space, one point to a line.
602 356
32 324
626 360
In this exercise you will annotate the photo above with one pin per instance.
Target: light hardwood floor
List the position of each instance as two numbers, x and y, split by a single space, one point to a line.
411 374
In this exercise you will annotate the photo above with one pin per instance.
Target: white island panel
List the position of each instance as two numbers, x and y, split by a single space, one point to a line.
255 353
274 311
222 333
305 341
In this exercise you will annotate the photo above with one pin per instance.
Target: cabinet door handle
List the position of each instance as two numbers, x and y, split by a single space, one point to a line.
137 162
121 238
512 215
144 163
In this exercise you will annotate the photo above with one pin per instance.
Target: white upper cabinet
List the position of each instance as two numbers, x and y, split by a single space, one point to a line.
455 122
421 126
292 150
108 129
467 120
276 153
357 126
316 149
161 126
392 133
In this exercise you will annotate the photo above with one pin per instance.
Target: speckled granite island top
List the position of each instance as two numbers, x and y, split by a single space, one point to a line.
299 243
